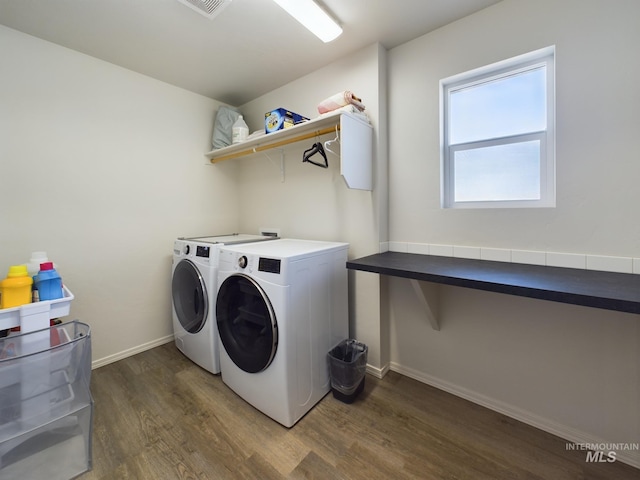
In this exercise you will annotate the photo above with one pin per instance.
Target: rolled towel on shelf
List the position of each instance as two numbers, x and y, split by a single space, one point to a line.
339 100
348 109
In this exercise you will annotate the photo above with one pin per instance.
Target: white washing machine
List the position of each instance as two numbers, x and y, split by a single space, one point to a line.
281 307
194 276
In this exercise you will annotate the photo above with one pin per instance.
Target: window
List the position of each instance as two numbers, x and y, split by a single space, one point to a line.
497 130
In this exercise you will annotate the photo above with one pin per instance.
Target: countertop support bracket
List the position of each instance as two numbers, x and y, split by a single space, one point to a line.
427 294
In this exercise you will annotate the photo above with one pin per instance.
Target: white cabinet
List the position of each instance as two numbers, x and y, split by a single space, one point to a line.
356 145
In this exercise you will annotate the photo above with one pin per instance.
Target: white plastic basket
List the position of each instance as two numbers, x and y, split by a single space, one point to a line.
35 316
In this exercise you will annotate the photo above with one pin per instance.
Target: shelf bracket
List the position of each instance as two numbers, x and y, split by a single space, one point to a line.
428 297
274 163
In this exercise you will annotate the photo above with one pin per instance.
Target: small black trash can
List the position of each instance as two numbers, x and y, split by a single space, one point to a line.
347 367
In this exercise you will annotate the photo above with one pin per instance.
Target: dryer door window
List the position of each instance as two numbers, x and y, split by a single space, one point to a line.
189 296
246 323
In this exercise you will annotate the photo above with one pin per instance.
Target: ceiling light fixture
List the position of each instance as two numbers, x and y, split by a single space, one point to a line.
309 14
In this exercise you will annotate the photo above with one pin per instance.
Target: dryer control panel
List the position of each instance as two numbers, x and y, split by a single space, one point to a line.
269 265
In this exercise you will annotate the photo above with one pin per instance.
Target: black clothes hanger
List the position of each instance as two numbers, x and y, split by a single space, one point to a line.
316 148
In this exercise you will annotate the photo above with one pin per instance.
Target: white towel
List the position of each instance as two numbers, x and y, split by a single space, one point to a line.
340 100
347 109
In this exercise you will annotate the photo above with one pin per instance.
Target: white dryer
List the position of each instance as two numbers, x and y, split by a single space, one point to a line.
194 276
281 307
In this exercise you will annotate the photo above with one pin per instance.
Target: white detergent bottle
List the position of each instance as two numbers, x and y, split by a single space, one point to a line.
239 131
33 266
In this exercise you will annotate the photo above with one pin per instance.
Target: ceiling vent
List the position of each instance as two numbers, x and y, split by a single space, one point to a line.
208 8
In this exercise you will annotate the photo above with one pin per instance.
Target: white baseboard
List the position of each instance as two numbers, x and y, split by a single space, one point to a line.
101 362
377 372
563 431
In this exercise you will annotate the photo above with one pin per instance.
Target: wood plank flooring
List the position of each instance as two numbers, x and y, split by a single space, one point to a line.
158 416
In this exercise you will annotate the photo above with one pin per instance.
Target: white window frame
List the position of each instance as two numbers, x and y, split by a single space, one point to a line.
522 63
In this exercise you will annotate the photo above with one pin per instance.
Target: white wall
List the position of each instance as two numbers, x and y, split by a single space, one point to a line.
312 202
569 369
315 203
103 168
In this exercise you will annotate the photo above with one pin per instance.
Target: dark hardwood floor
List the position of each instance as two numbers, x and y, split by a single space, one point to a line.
159 416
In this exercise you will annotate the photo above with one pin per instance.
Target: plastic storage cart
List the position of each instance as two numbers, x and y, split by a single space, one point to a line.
45 403
347 368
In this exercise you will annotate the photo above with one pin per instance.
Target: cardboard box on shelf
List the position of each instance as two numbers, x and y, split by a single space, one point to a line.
281 118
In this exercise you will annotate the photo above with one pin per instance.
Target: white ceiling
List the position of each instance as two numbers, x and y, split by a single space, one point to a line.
250 48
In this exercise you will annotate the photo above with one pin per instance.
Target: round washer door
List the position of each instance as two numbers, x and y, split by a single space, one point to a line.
246 323
189 295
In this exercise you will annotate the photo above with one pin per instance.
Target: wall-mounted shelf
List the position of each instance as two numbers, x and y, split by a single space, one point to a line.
356 145
607 290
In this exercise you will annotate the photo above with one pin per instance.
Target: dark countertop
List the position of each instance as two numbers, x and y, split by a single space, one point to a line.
590 288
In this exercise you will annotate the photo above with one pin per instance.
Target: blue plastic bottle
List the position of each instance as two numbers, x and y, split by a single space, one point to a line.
48 282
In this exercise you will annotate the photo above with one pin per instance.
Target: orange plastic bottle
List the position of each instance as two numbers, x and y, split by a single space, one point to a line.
15 290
